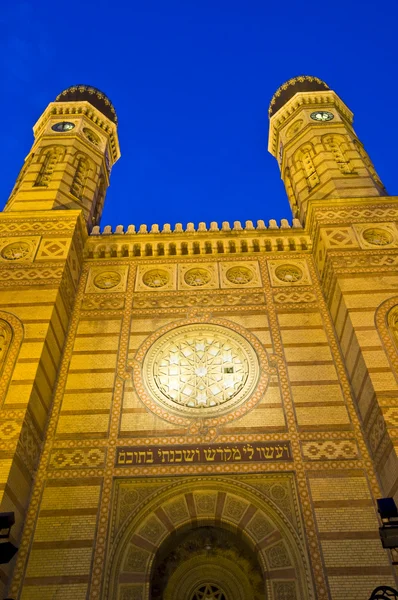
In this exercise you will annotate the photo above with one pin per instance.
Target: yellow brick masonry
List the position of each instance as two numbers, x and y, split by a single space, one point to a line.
79 398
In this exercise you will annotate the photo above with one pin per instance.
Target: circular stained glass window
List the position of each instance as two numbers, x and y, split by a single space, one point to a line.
199 367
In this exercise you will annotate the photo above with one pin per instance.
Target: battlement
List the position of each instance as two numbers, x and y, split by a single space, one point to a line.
191 241
190 228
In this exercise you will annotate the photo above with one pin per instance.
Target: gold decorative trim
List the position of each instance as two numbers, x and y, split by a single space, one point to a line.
291 82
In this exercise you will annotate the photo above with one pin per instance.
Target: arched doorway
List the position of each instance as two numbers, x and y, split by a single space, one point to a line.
155 520
206 563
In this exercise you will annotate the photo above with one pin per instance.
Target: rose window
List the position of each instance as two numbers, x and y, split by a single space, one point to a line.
208 592
198 368
197 277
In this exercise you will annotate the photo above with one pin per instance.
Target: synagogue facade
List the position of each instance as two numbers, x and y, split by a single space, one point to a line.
198 412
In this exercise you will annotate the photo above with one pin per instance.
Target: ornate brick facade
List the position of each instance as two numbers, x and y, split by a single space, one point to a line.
186 404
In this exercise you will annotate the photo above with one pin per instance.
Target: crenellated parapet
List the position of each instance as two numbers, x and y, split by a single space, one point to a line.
171 241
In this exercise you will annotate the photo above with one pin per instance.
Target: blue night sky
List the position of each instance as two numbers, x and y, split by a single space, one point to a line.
191 82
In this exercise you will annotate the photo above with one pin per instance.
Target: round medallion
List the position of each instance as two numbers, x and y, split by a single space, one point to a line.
377 237
295 128
239 275
201 368
91 136
63 126
156 278
288 273
208 592
107 280
322 115
197 277
16 251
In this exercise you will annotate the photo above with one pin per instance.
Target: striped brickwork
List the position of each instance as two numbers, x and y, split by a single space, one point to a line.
36 299
97 407
100 473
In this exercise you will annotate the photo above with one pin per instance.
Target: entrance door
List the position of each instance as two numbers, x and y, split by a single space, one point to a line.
206 563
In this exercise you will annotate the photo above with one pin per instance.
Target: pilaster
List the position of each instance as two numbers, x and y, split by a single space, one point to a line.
40 263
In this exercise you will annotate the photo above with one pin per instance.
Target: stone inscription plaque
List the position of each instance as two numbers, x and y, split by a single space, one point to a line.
211 453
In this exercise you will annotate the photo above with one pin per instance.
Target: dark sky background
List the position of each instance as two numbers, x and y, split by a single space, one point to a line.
191 82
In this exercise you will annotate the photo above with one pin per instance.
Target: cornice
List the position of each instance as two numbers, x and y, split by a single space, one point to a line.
192 242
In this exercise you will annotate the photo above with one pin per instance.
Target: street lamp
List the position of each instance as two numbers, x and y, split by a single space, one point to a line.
389 529
7 549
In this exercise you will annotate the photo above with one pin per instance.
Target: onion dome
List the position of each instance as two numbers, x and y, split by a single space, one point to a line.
81 93
303 83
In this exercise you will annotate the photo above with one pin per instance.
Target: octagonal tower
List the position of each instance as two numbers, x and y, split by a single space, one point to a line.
69 164
318 152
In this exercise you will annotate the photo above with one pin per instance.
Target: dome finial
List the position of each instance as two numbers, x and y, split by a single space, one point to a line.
88 93
302 83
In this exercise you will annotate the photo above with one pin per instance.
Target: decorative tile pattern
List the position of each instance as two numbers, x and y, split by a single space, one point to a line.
329 450
77 458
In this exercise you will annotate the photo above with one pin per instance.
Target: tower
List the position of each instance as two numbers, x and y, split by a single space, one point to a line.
318 152
69 164
57 198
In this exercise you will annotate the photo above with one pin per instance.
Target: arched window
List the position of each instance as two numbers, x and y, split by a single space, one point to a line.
80 179
368 163
393 324
5 341
305 156
386 320
50 157
290 192
22 173
336 144
99 201
11 334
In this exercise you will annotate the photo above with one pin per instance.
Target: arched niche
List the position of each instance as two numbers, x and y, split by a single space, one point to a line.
264 517
11 335
386 320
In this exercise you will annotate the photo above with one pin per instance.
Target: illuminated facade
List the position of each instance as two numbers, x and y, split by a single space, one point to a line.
198 413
